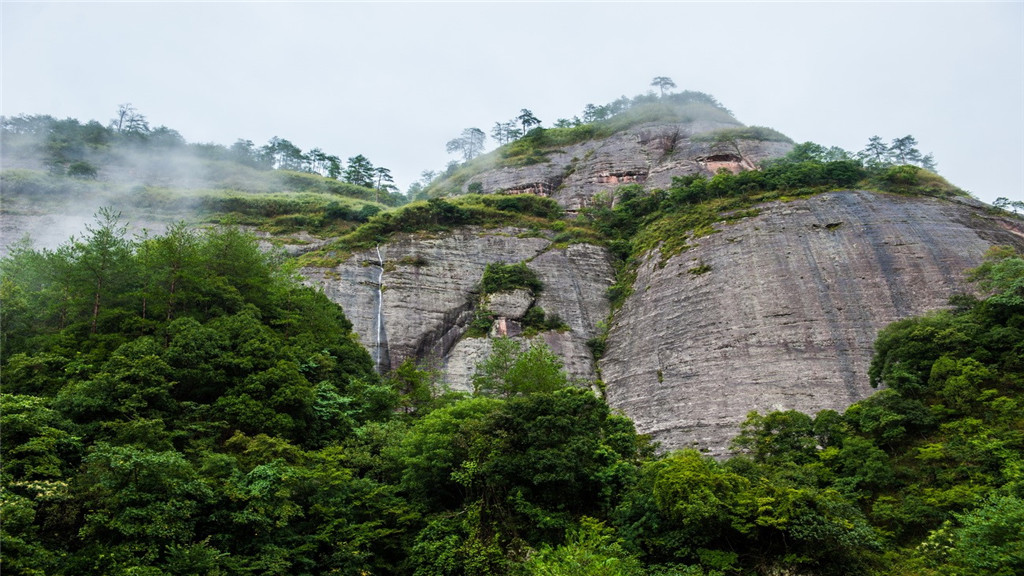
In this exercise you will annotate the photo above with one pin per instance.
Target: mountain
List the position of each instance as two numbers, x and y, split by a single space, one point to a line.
775 306
690 267
178 402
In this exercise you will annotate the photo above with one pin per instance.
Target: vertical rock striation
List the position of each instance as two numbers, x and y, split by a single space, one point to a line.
430 292
780 310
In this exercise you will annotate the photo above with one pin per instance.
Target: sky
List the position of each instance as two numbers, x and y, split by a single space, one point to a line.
395 81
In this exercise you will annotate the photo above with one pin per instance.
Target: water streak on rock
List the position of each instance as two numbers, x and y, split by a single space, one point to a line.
379 348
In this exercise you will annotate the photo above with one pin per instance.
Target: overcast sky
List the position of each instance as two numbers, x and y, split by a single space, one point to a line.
396 81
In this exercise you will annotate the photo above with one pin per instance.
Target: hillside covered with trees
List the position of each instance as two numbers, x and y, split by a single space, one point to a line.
153 176
178 403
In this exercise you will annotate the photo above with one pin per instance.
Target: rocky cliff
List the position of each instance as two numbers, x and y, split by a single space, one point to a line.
774 311
649 154
780 310
414 297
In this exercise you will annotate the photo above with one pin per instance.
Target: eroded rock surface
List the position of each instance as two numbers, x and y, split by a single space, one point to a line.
648 154
512 304
430 293
780 310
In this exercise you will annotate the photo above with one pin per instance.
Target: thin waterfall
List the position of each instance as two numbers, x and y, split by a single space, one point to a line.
379 348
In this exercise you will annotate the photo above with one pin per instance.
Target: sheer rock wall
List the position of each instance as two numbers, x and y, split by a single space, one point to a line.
780 310
430 295
774 311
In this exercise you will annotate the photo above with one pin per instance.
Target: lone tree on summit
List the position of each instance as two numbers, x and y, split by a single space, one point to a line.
527 119
470 144
663 82
129 121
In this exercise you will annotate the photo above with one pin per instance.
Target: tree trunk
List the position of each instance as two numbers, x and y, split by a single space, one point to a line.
96 305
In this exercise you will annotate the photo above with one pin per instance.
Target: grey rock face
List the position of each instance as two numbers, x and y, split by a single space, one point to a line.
780 310
430 293
462 361
512 304
648 154
774 311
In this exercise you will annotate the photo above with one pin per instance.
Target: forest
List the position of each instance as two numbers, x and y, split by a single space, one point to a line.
68 147
180 404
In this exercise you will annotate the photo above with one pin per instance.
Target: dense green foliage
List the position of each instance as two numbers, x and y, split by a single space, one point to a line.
179 405
510 371
726 135
500 277
165 400
634 220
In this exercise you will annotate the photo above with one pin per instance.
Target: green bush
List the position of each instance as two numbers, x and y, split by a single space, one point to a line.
902 176
480 325
534 318
761 133
526 204
778 175
33 184
82 170
499 277
351 211
907 179
702 268
537 320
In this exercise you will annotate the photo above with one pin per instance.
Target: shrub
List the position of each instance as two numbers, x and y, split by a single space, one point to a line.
82 170
597 345
762 133
499 277
481 323
702 268
902 176
526 204
534 318
34 184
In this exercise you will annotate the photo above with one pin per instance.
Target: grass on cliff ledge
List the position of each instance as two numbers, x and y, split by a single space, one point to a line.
297 206
635 222
539 216
671 229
